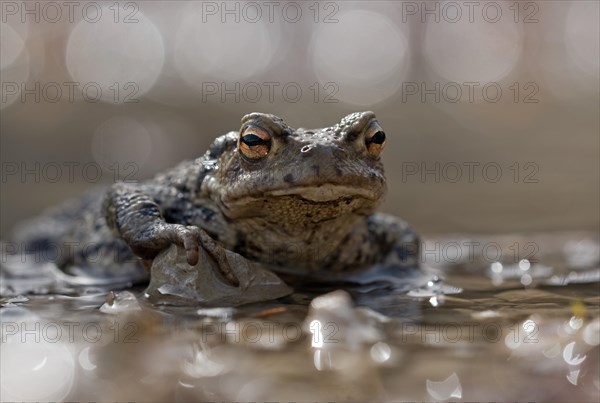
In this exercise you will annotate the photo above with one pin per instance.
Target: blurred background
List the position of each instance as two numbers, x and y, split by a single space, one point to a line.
491 108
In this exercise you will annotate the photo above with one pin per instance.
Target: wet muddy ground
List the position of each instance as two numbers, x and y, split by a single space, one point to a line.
475 325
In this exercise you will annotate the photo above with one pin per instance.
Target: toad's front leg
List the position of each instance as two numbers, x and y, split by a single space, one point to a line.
134 216
399 245
380 240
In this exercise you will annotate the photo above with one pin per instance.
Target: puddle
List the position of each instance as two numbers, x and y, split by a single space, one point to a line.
473 326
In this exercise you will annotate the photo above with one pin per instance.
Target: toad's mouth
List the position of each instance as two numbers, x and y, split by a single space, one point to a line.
324 193
315 193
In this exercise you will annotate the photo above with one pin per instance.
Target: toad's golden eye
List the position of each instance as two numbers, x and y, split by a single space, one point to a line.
255 142
375 139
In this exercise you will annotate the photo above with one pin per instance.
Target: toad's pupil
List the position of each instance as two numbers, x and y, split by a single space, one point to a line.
377 138
253 140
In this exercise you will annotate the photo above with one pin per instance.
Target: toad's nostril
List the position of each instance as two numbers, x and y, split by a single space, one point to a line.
306 149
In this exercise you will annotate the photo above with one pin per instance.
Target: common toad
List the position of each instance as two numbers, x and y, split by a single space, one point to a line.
295 200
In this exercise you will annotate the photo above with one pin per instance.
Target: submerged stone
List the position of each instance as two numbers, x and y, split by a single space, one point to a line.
119 302
174 282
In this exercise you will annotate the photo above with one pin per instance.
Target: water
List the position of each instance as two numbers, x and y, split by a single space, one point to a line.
522 326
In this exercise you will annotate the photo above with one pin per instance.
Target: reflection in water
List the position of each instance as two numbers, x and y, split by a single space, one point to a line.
36 364
447 389
466 337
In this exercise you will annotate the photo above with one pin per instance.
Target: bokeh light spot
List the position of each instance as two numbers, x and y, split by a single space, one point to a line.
346 54
11 45
35 368
226 50
477 51
583 35
123 59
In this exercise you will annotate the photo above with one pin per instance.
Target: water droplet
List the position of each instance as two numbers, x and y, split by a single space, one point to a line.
524 264
568 355
380 352
591 333
529 326
512 340
575 322
526 279
446 389
222 313
573 376
123 301
322 360
84 360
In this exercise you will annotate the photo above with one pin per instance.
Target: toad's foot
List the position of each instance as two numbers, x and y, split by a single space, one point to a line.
148 243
